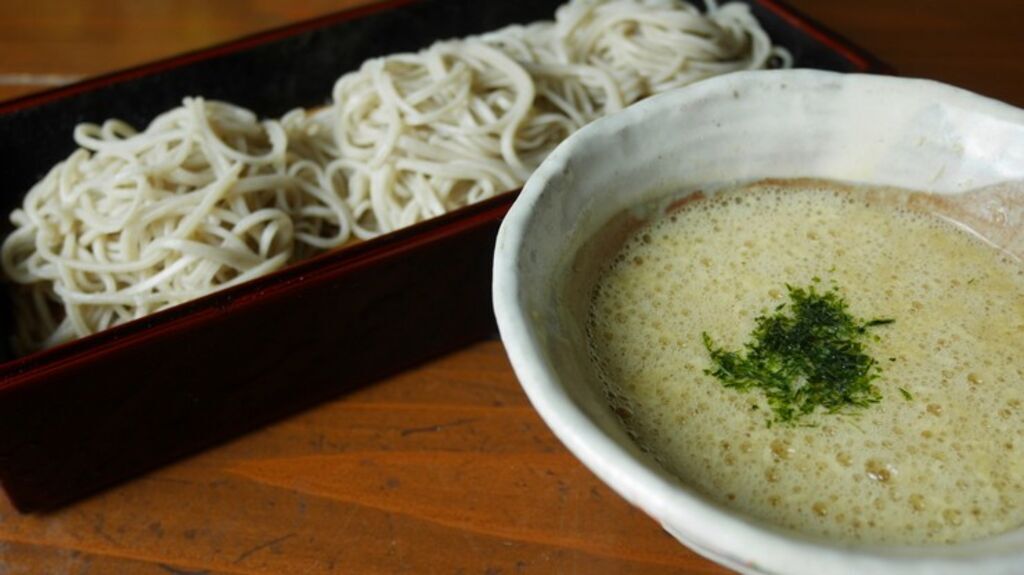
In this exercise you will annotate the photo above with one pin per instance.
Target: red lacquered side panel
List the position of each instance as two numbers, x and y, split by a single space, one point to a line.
93 421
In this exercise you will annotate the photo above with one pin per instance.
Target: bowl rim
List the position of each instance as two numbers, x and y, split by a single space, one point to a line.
748 545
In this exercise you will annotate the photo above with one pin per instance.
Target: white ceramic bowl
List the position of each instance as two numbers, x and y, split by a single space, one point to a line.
782 124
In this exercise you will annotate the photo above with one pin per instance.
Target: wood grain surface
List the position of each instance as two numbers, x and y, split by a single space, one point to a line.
446 468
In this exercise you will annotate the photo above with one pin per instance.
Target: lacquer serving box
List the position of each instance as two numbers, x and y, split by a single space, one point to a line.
90 413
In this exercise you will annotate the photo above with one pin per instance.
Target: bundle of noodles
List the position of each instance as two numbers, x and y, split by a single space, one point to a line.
659 45
206 197
419 134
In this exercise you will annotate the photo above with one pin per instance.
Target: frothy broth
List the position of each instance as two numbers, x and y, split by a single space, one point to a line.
940 463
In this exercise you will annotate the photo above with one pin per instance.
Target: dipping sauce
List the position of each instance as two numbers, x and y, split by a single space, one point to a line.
939 459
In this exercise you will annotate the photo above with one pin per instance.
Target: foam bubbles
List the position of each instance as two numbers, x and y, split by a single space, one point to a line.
939 467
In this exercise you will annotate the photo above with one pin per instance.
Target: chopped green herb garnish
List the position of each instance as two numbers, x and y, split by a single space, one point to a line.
906 394
875 322
811 357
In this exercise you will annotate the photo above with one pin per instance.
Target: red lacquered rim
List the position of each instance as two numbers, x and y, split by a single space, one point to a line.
860 58
325 266
229 47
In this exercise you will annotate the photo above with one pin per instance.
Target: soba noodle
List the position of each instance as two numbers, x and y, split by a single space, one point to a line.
207 196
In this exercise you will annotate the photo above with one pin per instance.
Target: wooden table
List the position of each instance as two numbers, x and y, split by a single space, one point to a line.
446 468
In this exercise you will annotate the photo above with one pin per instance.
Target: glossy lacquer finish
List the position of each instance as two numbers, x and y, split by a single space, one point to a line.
96 411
